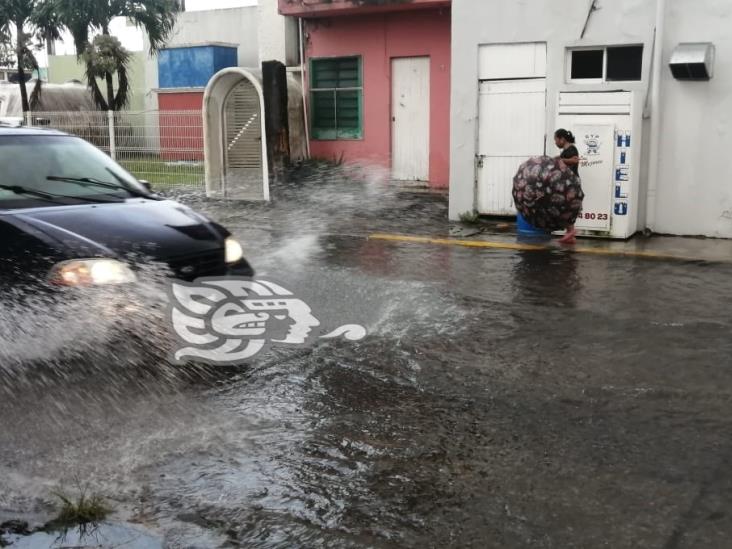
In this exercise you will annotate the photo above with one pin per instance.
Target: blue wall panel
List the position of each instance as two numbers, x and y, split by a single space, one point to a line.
225 57
193 67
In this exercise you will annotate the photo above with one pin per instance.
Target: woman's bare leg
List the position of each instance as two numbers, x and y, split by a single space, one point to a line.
570 237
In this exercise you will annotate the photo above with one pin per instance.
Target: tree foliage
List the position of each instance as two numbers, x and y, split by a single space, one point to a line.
22 21
103 56
85 18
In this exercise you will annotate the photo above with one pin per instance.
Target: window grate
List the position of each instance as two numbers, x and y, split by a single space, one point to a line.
336 98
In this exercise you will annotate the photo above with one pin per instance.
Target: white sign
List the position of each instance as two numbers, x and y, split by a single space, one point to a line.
596 145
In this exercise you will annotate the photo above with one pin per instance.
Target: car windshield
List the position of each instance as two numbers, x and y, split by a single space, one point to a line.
48 170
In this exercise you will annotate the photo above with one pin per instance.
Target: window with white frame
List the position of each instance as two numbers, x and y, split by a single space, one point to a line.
605 64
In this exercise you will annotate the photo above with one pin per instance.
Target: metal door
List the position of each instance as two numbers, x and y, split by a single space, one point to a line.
243 156
410 134
512 127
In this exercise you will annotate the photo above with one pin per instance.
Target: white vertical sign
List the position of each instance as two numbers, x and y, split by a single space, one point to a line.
596 145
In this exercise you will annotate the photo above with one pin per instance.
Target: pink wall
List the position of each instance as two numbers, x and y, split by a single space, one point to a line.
378 39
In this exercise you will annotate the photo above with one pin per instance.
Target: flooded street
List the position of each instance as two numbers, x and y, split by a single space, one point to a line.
502 398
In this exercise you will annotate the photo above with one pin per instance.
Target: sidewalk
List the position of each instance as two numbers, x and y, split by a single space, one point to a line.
502 235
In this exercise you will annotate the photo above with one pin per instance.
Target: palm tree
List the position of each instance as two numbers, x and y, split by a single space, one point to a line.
105 56
86 17
20 21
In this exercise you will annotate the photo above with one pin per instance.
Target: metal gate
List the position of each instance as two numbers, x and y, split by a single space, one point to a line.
243 162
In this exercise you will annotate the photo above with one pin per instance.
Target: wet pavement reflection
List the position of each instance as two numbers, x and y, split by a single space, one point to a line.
501 398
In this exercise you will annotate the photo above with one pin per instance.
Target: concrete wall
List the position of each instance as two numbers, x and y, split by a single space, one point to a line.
63 68
696 116
218 182
235 25
278 35
694 190
378 39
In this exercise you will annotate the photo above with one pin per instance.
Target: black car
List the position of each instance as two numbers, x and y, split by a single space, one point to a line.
71 216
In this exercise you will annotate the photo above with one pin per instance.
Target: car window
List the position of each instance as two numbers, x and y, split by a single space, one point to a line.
29 161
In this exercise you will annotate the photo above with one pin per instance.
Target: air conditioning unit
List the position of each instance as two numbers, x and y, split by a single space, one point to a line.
692 61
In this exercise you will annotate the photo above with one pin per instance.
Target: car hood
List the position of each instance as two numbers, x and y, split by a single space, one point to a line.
159 229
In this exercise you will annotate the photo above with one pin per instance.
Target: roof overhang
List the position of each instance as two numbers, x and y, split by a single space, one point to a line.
333 8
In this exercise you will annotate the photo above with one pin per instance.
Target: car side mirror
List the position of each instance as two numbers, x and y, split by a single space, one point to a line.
146 184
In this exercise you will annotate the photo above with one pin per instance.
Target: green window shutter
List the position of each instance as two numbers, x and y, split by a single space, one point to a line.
324 114
348 114
336 98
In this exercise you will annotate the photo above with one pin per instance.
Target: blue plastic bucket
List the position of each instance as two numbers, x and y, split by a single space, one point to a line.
525 228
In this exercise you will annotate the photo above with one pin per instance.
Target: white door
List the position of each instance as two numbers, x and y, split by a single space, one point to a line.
512 119
512 129
410 131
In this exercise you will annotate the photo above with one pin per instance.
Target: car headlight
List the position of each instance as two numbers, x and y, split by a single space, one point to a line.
91 272
234 251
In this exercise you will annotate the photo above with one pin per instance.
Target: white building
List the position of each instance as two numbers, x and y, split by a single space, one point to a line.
655 156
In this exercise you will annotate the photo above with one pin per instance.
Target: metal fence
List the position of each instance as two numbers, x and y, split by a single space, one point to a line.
162 147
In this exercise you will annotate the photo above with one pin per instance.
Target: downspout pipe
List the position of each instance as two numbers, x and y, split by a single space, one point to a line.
304 87
655 141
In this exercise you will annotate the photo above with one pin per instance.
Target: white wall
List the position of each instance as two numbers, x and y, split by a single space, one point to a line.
234 26
278 35
200 5
694 188
694 194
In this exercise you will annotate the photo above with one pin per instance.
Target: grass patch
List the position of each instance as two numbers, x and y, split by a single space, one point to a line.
470 218
86 510
163 173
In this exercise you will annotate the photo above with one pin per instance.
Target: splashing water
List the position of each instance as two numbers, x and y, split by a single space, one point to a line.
54 325
89 394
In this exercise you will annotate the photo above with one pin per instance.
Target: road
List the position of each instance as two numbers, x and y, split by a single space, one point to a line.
502 398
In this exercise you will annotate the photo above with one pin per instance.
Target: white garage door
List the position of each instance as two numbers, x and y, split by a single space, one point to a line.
512 119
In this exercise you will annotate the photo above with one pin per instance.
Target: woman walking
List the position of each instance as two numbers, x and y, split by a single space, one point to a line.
569 156
547 191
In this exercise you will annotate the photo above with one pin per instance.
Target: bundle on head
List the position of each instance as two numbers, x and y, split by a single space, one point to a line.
547 194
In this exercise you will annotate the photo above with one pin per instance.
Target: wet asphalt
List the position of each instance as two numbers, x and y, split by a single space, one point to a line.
500 399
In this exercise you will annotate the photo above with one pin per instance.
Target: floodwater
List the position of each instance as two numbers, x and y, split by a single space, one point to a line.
500 399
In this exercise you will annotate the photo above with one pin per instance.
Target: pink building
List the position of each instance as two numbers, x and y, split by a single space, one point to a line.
378 78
